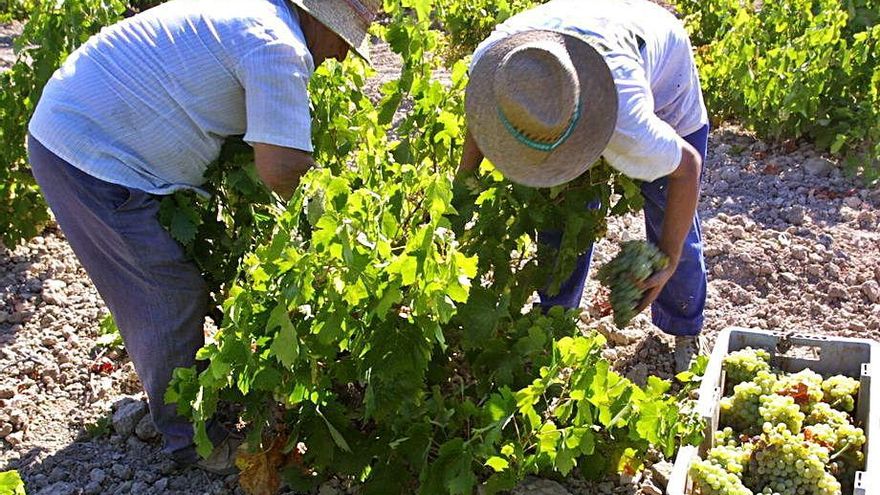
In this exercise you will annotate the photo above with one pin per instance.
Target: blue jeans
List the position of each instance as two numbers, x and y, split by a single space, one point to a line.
156 295
679 308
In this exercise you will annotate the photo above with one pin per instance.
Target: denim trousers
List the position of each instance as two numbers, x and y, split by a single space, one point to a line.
156 295
678 310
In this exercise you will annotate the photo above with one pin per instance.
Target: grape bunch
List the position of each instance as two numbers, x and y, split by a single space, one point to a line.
743 365
711 479
840 392
780 410
733 458
636 261
781 433
742 409
784 463
805 387
836 438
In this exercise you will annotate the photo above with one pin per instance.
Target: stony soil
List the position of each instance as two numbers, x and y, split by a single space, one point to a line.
8 32
792 244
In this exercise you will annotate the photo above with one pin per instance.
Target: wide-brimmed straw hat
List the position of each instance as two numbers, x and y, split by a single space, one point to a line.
541 106
350 19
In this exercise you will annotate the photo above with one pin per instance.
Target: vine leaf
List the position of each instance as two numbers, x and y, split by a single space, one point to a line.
259 471
285 346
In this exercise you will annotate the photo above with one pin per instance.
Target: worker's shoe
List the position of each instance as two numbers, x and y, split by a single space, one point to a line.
687 348
222 458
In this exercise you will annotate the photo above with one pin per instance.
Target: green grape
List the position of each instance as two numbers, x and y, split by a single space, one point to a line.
741 410
711 479
805 387
840 392
823 413
727 437
836 438
734 459
743 365
636 261
785 463
781 410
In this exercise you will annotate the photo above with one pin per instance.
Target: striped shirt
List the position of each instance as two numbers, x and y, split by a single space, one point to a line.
147 102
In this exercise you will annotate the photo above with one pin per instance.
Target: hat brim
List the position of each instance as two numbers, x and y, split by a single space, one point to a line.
341 21
520 163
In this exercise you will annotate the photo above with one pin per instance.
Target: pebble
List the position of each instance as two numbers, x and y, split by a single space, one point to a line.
121 471
127 416
140 487
7 392
660 472
837 291
730 174
795 215
59 488
145 429
871 290
160 485
92 488
853 202
819 167
98 475
539 486
15 439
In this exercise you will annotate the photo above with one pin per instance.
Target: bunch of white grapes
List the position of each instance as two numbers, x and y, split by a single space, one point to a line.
781 433
636 261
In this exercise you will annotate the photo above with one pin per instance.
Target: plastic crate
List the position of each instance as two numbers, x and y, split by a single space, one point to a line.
792 353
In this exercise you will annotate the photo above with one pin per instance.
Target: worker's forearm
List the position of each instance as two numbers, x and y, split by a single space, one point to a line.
280 168
471 156
683 189
282 179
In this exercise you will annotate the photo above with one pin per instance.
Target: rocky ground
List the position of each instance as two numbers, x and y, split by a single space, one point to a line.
7 34
792 243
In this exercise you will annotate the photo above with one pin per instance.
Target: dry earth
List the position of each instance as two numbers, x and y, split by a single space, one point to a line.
8 32
791 244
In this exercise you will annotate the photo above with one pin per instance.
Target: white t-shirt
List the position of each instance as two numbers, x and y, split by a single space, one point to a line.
147 102
649 54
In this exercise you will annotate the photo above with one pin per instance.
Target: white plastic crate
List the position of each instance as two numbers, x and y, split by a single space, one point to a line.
792 353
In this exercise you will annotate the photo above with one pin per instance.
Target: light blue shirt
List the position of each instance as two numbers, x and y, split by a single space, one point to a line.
147 102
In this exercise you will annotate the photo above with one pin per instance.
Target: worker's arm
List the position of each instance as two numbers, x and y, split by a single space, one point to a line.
471 156
280 168
682 192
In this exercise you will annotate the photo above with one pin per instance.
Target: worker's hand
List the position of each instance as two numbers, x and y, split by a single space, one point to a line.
654 284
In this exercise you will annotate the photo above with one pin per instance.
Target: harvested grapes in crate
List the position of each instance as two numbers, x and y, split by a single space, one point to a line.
781 433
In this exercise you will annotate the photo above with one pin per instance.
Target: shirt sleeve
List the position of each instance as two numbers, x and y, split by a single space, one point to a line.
642 146
275 78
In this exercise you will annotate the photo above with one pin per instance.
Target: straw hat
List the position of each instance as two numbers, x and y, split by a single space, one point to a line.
542 106
350 19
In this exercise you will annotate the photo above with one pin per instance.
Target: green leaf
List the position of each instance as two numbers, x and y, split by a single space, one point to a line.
337 437
183 227
11 483
497 463
285 346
